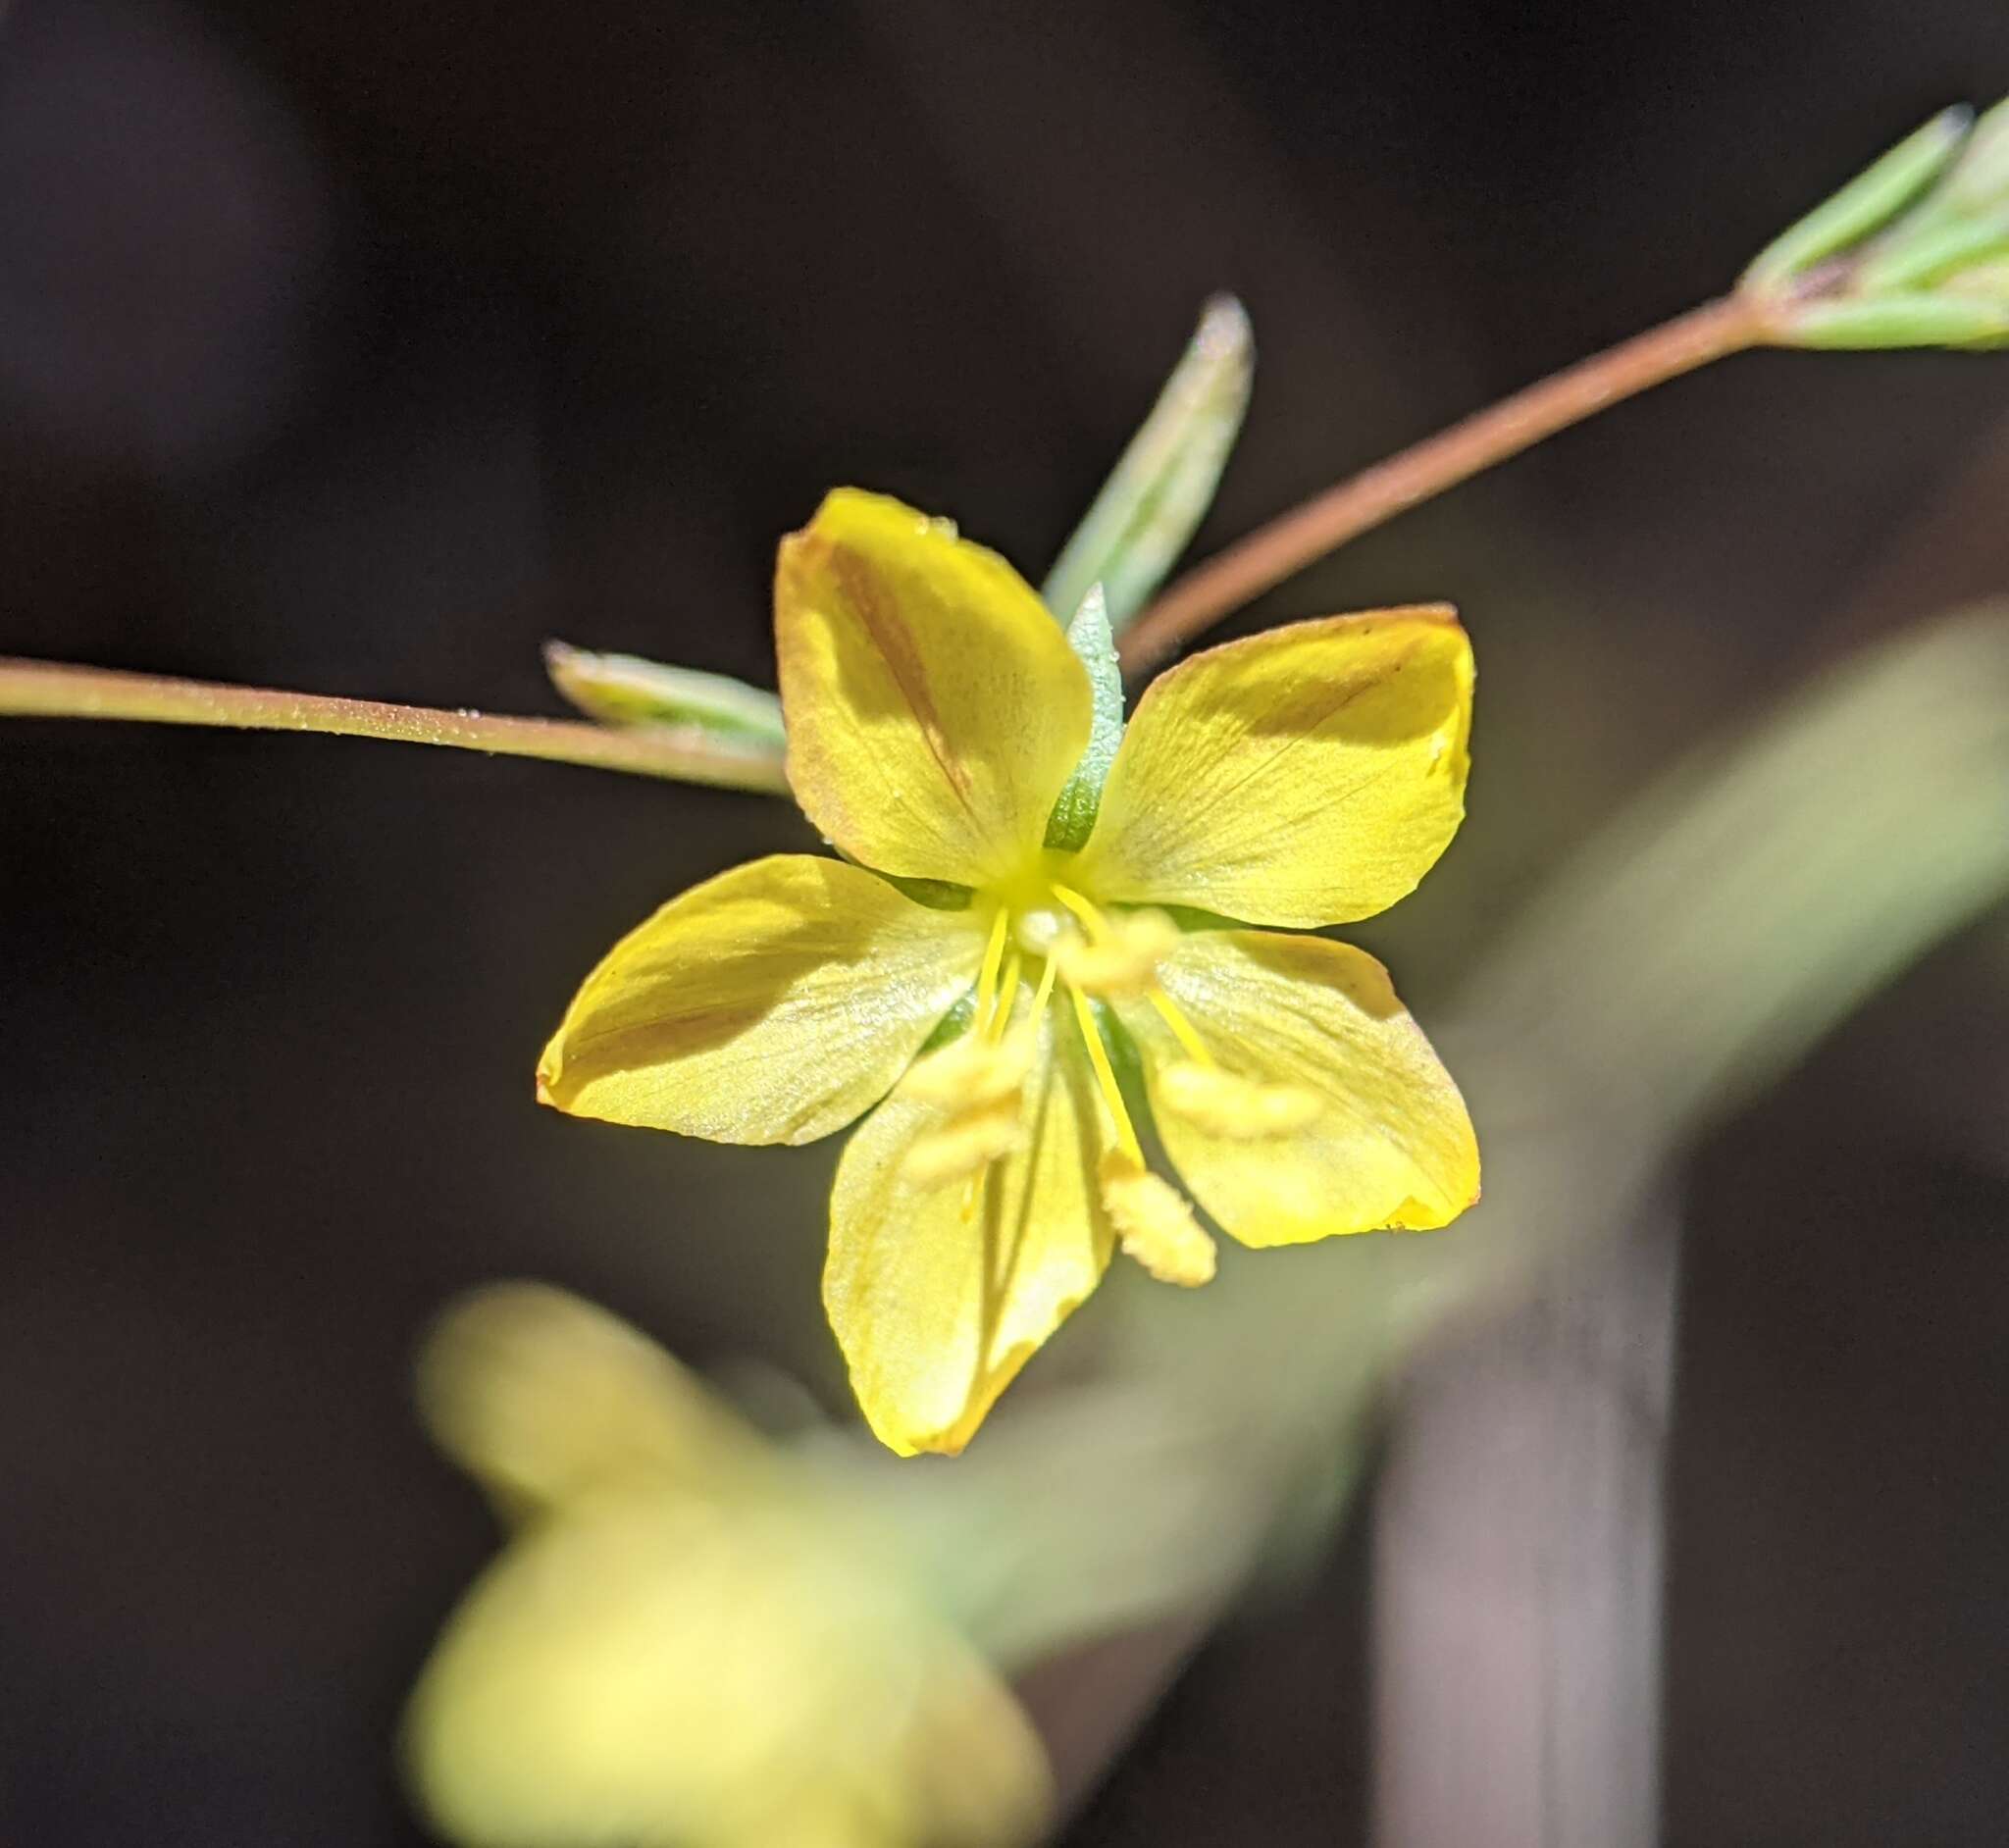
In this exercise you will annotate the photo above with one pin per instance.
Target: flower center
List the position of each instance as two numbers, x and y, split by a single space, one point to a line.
1046 934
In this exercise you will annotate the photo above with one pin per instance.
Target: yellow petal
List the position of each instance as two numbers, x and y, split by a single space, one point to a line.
1308 776
772 1004
543 1398
645 1667
934 709
1391 1144
940 1293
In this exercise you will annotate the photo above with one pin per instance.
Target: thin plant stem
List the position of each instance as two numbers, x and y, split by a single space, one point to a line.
48 690
1327 521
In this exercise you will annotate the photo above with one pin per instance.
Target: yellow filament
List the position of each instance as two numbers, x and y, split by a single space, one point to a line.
1106 1077
1007 993
987 981
1045 988
1085 911
1182 1028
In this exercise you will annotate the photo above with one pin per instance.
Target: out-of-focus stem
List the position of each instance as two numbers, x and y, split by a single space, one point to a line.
48 690
1518 1546
1326 522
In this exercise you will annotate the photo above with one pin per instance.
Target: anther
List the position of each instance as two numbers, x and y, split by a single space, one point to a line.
1121 958
1153 1223
964 1144
1231 1107
972 1071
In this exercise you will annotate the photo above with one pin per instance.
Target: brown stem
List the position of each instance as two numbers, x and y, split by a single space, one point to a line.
48 690
1320 524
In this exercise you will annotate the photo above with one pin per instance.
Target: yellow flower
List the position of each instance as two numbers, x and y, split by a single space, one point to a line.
686 1641
934 713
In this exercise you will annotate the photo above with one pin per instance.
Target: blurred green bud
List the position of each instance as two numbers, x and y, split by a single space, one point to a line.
1909 253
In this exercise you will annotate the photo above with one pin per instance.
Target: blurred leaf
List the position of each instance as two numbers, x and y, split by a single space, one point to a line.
1761 893
624 690
1074 813
1087 1513
1161 490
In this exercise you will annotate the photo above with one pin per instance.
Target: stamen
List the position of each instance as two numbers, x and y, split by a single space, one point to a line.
1007 994
1231 1107
1154 1222
965 1144
1121 957
1081 908
1106 1077
1182 1028
987 980
1045 988
971 1070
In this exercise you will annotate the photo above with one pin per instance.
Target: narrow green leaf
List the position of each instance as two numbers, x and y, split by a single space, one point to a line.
1900 320
624 690
1930 253
1073 816
1161 490
1868 203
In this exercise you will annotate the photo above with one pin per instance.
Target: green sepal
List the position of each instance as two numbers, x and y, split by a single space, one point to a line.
951 1026
1864 206
628 692
1161 488
1074 813
938 895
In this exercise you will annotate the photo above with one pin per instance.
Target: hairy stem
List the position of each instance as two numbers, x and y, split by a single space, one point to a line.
48 690
1326 522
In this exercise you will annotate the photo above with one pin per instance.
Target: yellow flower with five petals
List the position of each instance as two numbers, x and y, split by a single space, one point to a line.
936 713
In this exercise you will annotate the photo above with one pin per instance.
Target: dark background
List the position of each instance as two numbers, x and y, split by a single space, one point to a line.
363 347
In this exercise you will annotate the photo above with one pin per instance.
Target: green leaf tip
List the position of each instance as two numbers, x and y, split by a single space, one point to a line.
1909 253
629 692
1162 485
1090 637
1866 204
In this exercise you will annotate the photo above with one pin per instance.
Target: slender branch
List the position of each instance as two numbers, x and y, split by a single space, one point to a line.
1326 522
47 689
